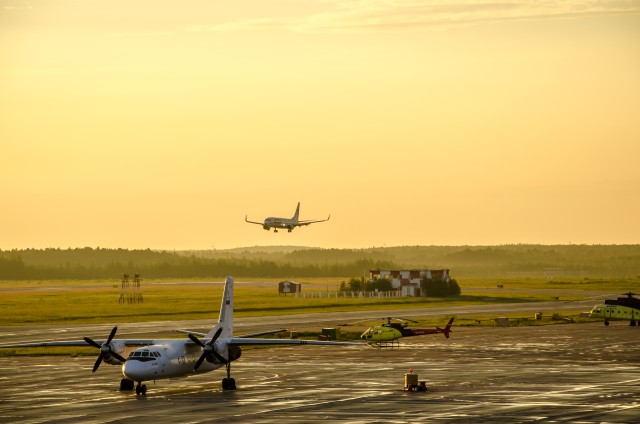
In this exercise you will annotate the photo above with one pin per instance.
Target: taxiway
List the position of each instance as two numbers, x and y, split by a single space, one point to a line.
561 373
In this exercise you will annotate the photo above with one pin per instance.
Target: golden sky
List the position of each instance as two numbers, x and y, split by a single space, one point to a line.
161 123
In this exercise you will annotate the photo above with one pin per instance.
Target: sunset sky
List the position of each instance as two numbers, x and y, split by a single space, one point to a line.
161 124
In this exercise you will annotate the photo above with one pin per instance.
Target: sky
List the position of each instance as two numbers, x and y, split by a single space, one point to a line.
162 123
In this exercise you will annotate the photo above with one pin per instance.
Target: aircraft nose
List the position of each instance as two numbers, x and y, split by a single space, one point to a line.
133 370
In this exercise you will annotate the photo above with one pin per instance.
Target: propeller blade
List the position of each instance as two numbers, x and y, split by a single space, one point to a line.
118 357
97 364
215 336
91 342
219 357
111 335
199 362
195 340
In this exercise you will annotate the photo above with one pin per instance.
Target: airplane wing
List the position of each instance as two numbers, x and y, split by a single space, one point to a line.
237 341
300 223
262 333
79 343
252 222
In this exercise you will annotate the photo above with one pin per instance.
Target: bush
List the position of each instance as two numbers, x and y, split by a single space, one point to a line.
439 288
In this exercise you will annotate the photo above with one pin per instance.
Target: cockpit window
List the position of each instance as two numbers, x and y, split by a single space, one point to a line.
144 355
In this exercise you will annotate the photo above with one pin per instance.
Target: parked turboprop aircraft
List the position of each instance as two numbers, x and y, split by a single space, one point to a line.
288 223
157 359
622 308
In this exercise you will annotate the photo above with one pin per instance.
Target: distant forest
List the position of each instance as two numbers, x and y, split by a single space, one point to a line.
557 261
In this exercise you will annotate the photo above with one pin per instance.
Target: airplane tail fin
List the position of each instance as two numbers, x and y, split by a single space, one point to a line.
446 330
225 321
295 216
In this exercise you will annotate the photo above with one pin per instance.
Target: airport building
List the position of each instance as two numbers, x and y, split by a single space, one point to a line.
408 281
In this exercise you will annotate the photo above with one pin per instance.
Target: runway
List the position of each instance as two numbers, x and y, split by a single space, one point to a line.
562 373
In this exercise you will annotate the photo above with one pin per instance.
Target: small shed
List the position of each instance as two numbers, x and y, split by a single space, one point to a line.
286 287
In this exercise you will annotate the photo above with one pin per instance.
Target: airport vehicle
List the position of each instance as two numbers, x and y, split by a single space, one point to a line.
284 223
387 334
155 359
622 308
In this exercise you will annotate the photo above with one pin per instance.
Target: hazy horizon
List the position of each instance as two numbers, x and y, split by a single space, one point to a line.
161 124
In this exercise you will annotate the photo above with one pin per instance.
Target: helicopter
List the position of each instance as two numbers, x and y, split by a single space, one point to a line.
387 334
622 308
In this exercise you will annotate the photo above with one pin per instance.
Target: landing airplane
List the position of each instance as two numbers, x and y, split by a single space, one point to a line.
622 308
156 359
389 332
288 223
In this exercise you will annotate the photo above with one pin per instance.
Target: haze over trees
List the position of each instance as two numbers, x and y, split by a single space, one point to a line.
577 261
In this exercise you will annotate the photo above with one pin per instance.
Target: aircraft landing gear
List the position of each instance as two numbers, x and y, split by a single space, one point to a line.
606 322
632 323
141 389
275 231
228 383
126 385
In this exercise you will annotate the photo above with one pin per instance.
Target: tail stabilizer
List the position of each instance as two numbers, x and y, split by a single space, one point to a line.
446 330
297 214
225 321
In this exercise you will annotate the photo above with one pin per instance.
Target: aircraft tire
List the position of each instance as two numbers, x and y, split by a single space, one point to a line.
126 385
228 384
606 323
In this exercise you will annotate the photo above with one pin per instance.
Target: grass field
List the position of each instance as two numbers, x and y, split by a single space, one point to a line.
55 302
96 301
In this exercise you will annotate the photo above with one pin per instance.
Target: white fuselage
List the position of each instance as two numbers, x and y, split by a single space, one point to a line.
274 222
166 359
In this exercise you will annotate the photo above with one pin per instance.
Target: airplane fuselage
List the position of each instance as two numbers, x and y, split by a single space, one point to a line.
284 223
167 359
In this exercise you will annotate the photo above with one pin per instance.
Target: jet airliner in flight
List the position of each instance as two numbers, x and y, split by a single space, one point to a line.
285 223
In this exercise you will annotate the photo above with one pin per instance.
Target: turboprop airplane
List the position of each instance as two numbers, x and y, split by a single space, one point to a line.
622 308
388 333
288 223
156 359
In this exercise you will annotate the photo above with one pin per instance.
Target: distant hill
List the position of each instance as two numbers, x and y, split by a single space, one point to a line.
550 261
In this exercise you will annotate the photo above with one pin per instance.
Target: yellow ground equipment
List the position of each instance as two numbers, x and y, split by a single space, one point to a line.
412 384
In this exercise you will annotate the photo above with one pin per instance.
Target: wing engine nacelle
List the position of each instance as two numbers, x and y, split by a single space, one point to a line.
118 347
234 353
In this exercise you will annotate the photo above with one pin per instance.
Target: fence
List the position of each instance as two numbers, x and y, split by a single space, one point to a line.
349 294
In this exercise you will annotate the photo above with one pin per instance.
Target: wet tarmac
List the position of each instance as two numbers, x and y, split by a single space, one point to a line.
561 373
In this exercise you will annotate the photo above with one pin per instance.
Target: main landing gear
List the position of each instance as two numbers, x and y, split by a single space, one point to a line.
126 385
141 389
228 383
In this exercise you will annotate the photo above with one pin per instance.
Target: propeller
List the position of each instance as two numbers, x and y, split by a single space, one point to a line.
105 349
208 349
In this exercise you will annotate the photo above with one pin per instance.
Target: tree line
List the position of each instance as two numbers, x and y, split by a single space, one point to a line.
287 262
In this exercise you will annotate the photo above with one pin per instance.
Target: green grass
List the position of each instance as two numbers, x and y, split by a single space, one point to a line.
82 302
72 301
100 304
